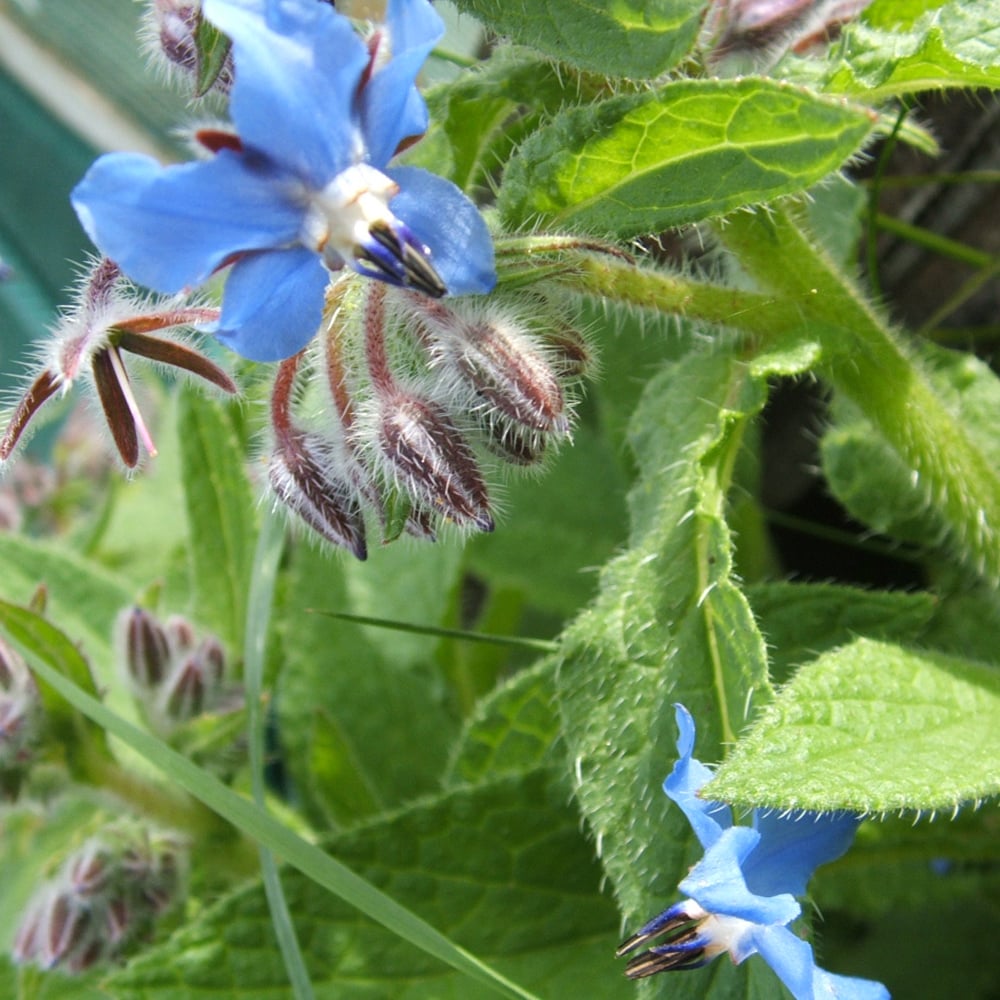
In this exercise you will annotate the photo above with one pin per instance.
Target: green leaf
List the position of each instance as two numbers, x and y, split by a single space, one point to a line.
872 727
257 824
479 118
948 463
670 624
501 868
30 983
639 39
81 596
800 620
955 45
221 519
213 47
75 736
516 728
354 701
692 150
559 527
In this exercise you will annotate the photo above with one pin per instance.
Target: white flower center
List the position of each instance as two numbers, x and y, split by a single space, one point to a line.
340 217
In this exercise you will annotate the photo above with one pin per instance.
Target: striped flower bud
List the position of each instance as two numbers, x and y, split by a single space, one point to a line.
104 899
423 449
145 647
301 480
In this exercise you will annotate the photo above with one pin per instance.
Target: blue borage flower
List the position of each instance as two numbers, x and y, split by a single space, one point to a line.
303 188
742 892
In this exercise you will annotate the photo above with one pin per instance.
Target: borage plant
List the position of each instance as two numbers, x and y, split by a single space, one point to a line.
456 750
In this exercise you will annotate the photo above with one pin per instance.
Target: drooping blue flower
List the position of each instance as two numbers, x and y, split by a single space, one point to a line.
304 187
741 895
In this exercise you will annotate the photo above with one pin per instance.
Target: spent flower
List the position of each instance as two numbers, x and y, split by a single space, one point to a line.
302 187
742 894
106 320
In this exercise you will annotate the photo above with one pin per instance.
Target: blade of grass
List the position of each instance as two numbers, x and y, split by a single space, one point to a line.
252 821
518 642
260 599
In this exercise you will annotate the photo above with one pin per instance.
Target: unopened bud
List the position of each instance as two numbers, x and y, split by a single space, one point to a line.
512 443
104 898
171 36
427 454
180 633
185 693
146 648
301 481
89 870
570 354
213 656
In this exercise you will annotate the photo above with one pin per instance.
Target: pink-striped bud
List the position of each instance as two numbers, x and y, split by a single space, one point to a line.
145 648
104 899
171 30
426 453
301 477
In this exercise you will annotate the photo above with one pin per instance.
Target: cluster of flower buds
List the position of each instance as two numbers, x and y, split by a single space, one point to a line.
413 393
107 319
106 898
177 38
20 719
173 675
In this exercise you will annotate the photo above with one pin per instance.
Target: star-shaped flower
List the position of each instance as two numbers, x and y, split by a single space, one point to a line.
741 895
302 188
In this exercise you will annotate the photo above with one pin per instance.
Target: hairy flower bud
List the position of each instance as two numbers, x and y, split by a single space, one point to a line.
145 648
170 33
104 899
424 450
302 481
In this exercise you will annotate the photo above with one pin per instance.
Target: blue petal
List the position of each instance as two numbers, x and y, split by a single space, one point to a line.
450 225
391 108
707 819
792 960
716 883
170 227
272 305
791 849
298 65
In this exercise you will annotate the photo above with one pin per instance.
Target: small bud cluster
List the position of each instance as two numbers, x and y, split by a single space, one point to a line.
106 897
414 393
173 675
20 719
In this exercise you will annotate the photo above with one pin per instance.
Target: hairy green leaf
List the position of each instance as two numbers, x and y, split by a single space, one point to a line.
354 701
692 150
220 511
955 45
873 481
800 621
639 39
670 624
872 727
501 868
515 729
